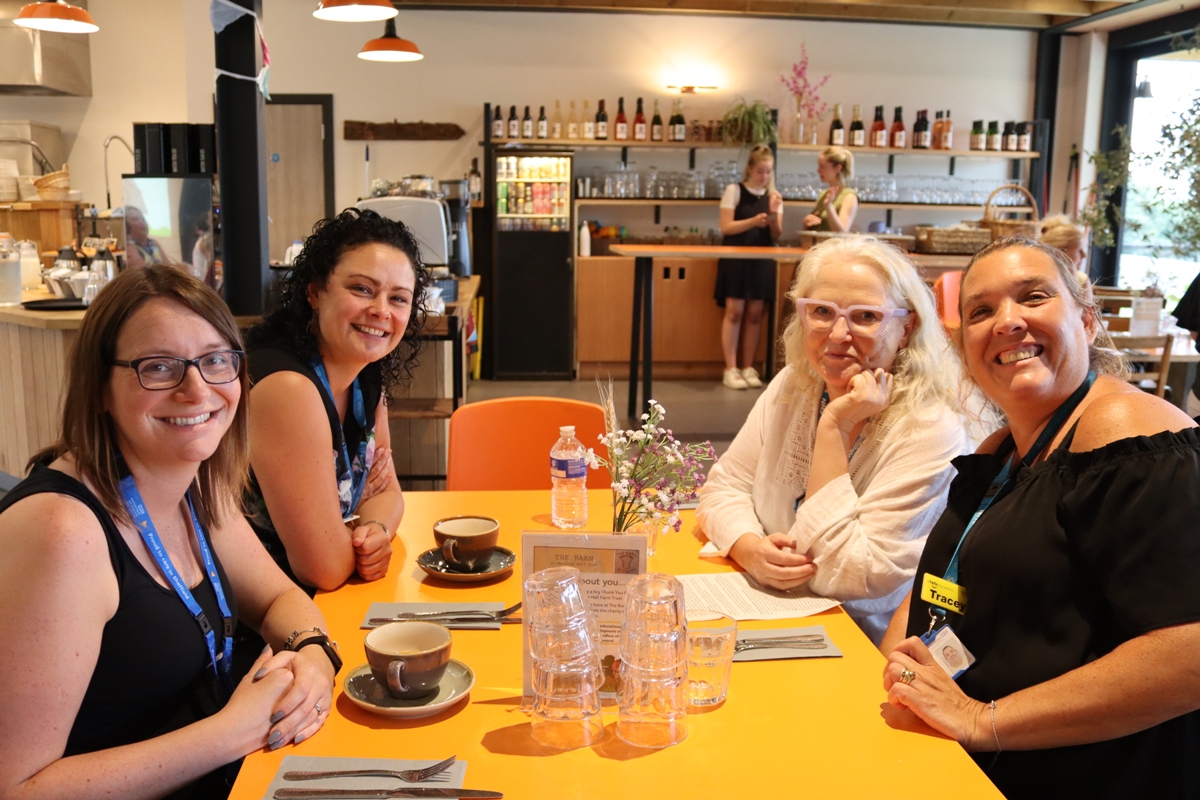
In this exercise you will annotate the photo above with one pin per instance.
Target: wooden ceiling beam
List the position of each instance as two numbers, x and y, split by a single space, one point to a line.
765 8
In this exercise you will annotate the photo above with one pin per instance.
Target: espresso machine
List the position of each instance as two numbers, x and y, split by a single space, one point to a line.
458 202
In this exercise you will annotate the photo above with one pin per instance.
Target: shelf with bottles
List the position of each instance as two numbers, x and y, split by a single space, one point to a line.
916 151
634 202
533 180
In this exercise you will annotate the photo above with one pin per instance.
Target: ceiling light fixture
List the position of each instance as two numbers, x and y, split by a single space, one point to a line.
56 16
390 47
355 10
1143 90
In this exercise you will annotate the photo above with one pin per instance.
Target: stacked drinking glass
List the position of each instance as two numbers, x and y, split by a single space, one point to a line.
566 661
652 691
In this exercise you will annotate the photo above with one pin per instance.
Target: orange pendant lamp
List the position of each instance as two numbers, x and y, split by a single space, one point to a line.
355 10
390 47
56 16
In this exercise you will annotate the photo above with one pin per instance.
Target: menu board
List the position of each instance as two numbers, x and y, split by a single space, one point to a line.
607 562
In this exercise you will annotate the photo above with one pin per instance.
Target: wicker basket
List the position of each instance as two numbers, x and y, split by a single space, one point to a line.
952 241
1011 227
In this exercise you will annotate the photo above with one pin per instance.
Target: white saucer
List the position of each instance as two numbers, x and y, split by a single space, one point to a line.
366 693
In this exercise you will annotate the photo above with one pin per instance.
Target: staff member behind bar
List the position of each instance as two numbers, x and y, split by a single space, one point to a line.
322 364
124 565
1066 561
751 216
843 465
837 205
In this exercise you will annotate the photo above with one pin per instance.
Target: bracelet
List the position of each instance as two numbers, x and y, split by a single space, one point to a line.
287 645
992 710
387 532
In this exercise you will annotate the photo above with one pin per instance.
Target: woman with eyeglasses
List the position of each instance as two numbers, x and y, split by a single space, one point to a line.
125 563
843 465
324 496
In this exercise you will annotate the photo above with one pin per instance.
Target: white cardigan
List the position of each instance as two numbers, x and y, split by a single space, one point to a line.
865 530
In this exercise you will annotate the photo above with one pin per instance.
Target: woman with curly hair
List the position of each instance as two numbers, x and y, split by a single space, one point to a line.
324 498
843 465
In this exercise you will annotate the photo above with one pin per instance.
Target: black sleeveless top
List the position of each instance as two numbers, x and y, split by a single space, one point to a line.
153 674
1088 551
267 359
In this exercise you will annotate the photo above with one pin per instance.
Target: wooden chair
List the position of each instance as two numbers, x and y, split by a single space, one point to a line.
1139 349
1115 323
505 443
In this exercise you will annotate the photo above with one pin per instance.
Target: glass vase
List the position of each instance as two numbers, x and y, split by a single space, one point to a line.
650 529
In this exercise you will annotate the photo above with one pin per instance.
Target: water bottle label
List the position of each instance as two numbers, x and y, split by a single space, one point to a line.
568 468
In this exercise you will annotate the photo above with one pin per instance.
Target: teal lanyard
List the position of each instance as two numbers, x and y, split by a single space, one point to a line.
1001 484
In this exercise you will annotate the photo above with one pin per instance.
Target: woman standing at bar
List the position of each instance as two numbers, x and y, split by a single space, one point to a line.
751 216
837 205
324 496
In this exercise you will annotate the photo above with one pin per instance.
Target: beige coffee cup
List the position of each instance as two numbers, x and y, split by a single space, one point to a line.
408 658
467 542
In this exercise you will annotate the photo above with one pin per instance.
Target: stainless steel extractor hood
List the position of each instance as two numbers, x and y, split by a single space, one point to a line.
41 63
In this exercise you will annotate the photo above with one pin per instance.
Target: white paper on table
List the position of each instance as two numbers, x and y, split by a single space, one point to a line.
741 597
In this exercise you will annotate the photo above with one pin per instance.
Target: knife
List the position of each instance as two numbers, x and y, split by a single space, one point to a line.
440 618
317 794
754 644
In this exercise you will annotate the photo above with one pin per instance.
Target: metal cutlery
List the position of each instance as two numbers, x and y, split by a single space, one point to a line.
810 642
465 615
371 794
406 775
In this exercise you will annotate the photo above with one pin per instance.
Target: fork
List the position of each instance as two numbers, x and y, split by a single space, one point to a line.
406 775
470 613
813 642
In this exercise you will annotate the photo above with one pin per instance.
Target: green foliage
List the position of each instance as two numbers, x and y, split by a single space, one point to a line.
1178 157
1101 215
749 124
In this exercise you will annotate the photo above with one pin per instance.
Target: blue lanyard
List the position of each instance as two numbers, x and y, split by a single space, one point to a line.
222 662
357 482
849 457
1000 484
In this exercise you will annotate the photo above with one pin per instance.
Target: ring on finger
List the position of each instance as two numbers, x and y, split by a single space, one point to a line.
907 676
318 707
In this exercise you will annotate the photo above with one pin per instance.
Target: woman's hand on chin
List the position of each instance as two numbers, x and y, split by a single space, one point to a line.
771 562
869 393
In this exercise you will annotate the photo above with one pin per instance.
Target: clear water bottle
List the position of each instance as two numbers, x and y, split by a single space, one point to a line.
568 474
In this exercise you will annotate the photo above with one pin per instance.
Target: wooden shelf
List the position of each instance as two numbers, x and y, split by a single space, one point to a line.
909 151
598 144
649 201
421 408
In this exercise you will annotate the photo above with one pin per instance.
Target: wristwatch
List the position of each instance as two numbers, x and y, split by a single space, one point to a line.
320 639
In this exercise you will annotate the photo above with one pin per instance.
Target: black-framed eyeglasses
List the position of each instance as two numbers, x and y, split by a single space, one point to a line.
158 373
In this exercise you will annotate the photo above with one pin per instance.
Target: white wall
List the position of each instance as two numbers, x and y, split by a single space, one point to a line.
152 60
1077 117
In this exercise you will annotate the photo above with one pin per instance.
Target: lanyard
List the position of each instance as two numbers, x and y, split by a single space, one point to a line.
1000 484
222 662
357 482
849 456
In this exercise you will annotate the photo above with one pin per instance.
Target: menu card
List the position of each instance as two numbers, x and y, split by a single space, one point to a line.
607 562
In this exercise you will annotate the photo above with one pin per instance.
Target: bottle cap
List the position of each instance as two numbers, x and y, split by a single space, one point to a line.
566 430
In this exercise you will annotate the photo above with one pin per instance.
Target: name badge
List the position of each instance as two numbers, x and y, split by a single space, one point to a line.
948 651
944 594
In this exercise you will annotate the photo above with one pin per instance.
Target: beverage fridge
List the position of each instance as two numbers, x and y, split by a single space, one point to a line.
532 284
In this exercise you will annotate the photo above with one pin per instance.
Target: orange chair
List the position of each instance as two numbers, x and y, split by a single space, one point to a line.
505 443
945 292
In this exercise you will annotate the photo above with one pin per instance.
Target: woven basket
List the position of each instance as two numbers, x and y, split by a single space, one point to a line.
1011 227
952 241
55 180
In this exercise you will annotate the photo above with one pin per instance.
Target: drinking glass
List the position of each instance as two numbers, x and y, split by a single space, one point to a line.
711 638
652 682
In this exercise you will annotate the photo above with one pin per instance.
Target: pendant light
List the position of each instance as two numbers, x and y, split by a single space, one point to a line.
57 16
355 10
390 47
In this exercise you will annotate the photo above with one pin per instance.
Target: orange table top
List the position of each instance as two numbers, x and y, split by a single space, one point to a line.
804 726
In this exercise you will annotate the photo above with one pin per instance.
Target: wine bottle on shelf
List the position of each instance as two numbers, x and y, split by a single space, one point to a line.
543 125
1024 136
527 125
588 122
678 123
639 124
837 131
921 133
556 122
995 141
572 123
622 123
978 136
858 133
898 137
498 125
1010 137
514 124
475 180
947 132
656 126
879 135
937 132
601 122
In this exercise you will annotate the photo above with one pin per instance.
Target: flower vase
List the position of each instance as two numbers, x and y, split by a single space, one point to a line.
810 131
650 529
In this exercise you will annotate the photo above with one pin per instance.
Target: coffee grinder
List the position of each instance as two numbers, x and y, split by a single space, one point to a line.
458 201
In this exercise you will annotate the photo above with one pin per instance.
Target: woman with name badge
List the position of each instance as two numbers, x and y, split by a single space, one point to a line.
124 567
1055 615
324 496
843 465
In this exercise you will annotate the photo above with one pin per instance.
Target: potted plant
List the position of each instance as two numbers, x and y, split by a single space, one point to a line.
749 124
810 109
